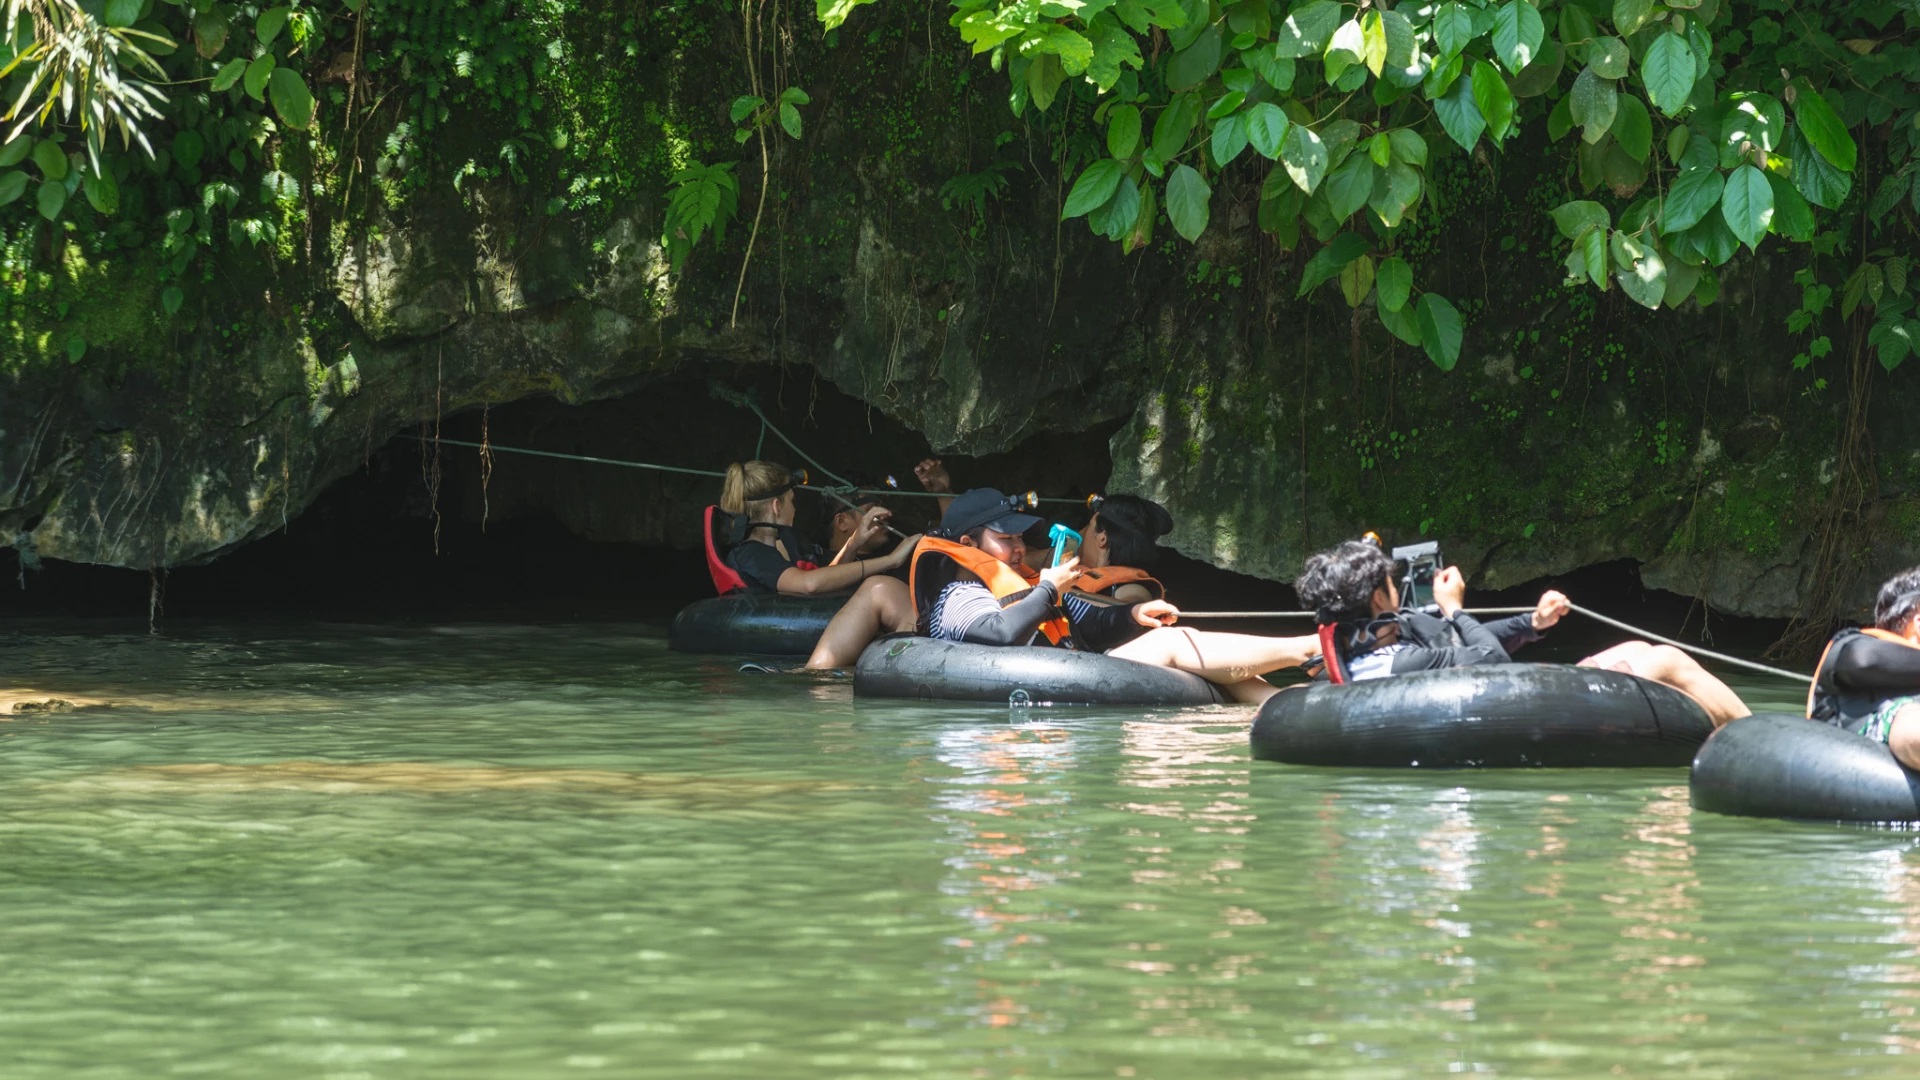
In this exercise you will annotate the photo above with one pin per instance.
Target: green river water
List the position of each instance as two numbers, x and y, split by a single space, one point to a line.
314 850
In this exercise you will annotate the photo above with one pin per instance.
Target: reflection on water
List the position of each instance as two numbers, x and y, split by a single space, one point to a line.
521 852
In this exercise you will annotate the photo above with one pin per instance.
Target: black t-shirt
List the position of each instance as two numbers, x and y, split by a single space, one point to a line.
761 564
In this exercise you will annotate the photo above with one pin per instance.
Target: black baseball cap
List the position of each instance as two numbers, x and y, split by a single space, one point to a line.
985 508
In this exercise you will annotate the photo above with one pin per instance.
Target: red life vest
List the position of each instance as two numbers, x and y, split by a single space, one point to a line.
936 563
727 580
1103 581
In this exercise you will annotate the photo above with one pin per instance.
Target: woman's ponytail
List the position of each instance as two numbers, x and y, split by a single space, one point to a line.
752 482
733 490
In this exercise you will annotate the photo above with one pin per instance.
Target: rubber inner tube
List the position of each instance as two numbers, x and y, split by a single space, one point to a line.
904 666
760 624
1485 716
1779 765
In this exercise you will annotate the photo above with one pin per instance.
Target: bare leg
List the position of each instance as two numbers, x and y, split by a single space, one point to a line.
1669 666
880 605
1234 661
1904 739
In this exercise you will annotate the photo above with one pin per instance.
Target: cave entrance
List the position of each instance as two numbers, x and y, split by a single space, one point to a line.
424 530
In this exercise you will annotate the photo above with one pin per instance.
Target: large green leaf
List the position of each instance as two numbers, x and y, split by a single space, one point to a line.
1307 30
1592 248
1713 240
1393 283
1123 131
1356 280
1747 205
1814 175
1400 43
1400 323
51 199
294 103
103 192
1824 129
1113 49
1187 202
121 12
1633 128
1594 103
1608 57
1792 217
1304 157
1115 218
230 73
1094 187
1517 32
1408 146
188 147
1440 330
1641 271
1073 49
1350 186
1575 218
1460 116
255 80
1396 190
1631 15
1196 63
1756 119
1174 124
210 32
1267 129
1229 138
1492 98
1452 28
269 24
13 184
1348 47
15 152
1695 193
1668 72
832 13
51 159
1330 260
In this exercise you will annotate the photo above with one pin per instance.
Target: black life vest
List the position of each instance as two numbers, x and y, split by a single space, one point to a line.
1828 702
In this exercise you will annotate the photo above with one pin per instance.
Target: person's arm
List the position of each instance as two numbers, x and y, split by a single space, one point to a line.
872 524
1867 663
1099 625
967 611
1479 646
1514 631
828 579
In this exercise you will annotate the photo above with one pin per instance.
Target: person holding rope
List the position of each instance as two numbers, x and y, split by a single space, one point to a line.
1365 634
972 584
773 557
1868 680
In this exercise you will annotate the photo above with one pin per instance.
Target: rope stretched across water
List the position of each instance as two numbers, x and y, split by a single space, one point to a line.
1588 612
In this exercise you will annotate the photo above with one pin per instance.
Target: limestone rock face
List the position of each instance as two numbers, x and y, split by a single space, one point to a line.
1576 429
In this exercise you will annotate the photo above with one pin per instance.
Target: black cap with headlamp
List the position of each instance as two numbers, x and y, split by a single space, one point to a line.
988 508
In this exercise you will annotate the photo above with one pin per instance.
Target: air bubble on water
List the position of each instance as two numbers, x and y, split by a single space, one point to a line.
1019 699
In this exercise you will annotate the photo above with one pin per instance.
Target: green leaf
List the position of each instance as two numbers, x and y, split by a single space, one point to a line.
743 106
1668 72
1044 77
13 184
1678 140
1307 30
1399 323
1592 246
122 12
1792 217
294 103
1633 128
1142 232
832 13
1460 116
789 116
1348 47
1393 283
1631 15
1713 240
255 80
1594 103
1396 190
1575 218
1197 62
1748 205
1754 118
1560 120
1304 157
209 34
1681 281
795 96
1229 138
1643 277
1373 43
1187 202
1400 41
1093 188
1052 39
76 344
1123 131
51 159
171 298
1814 175
1356 280
1408 146
231 71
1491 97
103 192
188 147
1894 339
1440 330
1608 57
1824 130
1452 28
1350 186
1115 219
268 25
1543 74
15 152
1267 129
1277 71
1380 149
1517 32
1174 124
1690 198
51 198
1329 261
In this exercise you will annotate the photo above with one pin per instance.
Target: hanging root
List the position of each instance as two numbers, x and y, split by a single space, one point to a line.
486 461
156 597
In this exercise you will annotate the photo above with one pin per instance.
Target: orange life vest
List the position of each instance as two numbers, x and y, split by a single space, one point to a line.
1104 580
935 566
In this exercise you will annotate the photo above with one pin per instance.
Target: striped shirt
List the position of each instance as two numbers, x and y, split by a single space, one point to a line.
967 610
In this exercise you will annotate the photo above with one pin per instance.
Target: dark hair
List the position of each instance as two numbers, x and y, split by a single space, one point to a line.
1899 598
1339 582
831 508
1132 525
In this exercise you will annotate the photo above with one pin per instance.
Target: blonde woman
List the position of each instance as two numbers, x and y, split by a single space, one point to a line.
775 558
